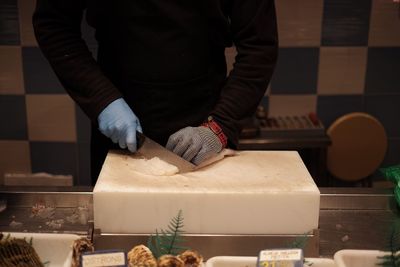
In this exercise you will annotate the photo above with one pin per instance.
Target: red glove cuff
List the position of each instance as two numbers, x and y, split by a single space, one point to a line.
216 129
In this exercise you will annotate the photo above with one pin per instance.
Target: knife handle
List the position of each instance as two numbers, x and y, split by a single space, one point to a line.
140 139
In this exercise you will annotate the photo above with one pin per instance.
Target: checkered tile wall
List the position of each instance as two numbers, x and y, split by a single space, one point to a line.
336 56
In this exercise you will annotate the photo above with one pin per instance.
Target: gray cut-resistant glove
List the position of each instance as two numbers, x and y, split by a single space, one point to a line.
195 144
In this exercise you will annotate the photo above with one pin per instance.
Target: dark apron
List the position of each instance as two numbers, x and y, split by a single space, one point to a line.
160 56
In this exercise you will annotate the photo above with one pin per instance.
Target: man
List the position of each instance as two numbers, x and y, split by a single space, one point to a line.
161 68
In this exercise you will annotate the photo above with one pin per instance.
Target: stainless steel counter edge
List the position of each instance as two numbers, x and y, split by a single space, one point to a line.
331 198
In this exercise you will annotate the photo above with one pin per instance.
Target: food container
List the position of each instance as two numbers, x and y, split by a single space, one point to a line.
56 249
358 258
228 261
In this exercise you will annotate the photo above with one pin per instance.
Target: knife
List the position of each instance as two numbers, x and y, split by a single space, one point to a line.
150 149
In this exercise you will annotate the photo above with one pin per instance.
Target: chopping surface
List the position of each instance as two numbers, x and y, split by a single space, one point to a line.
248 172
253 192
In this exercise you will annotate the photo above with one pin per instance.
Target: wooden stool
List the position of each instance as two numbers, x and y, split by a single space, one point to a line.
359 144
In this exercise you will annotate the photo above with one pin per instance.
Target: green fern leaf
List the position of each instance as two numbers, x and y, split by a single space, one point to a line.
168 241
393 257
299 242
153 243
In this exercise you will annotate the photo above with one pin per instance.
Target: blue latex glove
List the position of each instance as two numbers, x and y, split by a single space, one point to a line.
118 122
195 144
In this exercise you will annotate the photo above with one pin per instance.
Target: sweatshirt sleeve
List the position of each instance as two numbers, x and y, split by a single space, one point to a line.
57 26
254 32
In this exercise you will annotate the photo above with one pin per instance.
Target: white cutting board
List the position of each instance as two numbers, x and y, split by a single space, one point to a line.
255 192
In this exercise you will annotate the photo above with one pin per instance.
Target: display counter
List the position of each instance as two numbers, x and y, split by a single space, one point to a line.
350 218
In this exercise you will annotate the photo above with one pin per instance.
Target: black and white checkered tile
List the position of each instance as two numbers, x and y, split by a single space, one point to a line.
336 57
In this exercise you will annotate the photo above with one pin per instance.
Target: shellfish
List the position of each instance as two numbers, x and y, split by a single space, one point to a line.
17 252
170 261
141 256
191 258
80 246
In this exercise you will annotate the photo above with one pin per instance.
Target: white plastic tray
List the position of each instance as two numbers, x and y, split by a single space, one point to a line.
358 258
53 248
228 261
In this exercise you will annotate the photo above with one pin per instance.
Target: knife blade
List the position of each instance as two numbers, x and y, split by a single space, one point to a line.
150 149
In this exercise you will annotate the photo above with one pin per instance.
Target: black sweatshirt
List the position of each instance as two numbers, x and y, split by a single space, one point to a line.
165 57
